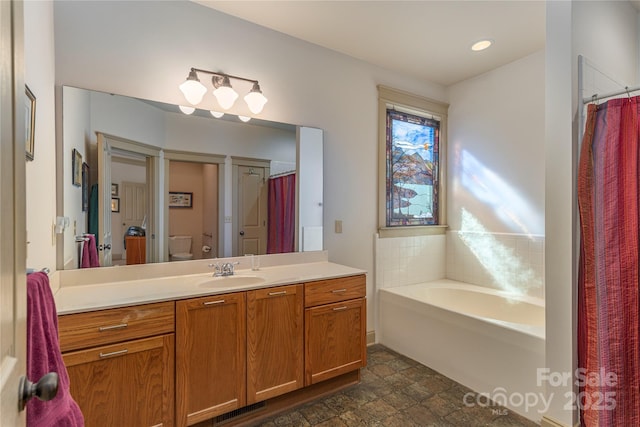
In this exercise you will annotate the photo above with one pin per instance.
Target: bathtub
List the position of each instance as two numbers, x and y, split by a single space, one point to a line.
490 341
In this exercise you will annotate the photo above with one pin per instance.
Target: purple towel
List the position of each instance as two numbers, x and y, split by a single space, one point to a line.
43 356
89 252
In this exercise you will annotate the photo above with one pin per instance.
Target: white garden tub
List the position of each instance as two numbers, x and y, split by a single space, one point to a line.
490 341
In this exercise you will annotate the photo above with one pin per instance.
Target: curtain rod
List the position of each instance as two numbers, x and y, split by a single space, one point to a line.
276 175
596 97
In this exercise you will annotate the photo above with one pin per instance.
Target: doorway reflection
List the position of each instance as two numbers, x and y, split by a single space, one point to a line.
195 222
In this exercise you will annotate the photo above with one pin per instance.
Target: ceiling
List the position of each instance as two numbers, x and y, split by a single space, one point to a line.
430 40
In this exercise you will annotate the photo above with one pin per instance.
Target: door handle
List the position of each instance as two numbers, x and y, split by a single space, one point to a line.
45 389
106 247
242 233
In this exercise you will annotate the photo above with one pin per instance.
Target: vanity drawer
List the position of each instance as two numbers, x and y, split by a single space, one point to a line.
85 330
334 290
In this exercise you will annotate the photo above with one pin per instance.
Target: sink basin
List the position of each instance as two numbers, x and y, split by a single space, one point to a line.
215 282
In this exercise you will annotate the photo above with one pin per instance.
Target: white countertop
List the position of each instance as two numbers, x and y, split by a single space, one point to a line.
99 296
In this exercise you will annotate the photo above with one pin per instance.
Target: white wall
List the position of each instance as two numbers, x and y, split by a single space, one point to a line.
495 178
40 185
606 33
305 84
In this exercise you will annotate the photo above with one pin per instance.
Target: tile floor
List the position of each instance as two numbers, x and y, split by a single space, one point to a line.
396 391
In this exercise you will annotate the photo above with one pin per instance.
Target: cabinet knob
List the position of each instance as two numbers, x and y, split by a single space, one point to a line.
45 389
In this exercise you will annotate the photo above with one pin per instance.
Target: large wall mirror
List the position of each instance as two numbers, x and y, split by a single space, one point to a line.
154 184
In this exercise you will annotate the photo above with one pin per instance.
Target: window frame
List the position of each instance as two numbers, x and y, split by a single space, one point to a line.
417 105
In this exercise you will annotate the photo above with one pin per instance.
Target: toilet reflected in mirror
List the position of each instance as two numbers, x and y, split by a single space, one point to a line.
180 248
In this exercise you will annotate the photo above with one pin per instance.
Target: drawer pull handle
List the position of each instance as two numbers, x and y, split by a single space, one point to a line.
220 301
339 308
272 294
109 328
338 291
113 353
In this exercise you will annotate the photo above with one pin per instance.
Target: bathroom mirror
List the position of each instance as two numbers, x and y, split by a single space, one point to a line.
179 175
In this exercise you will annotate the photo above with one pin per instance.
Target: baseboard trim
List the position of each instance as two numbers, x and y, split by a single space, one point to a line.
548 422
371 337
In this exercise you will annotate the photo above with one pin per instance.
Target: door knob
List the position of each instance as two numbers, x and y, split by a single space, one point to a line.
107 247
242 233
104 247
45 389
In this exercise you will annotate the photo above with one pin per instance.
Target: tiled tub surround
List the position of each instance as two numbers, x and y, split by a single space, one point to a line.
505 261
512 262
480 353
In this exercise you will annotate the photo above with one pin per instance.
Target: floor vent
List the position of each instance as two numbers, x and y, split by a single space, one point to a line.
224 418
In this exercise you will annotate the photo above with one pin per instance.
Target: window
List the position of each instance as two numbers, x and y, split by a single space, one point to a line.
412 152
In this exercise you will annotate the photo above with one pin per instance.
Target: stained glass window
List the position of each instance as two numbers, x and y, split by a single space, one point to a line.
412 169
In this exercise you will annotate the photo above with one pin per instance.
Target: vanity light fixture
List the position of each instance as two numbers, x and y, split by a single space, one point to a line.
216 114
194 90
244 118
186 110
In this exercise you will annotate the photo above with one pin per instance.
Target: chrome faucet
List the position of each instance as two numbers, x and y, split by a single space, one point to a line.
224 269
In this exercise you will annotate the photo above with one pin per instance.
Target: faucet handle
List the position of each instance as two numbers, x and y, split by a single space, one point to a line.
217 268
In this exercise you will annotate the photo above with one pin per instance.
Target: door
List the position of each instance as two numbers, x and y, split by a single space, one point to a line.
252 211
104 201
133 205
13 304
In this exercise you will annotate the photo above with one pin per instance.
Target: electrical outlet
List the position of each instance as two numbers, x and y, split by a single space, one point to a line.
338 226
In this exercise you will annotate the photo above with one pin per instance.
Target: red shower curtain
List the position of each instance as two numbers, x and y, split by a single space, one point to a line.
608 345
282 214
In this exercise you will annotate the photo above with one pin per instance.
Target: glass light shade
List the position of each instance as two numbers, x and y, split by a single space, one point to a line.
216 114
244 118
226 96
255 99
193 90
186 110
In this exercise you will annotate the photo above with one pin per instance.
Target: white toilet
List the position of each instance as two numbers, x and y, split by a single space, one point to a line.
180 248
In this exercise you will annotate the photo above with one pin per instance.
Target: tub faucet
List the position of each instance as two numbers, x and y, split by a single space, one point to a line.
224 269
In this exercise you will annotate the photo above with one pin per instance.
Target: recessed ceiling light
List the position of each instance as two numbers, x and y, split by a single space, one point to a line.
481 45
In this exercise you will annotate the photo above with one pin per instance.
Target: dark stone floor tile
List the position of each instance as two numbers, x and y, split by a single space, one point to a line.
417 373
417 392
473 417
399 400
398 364
359 417
360 394
379 388
288 419
380 357
401 420
440 406
397 381
424 416
340 402
333 422
382 370
379 409
367 376
317 412
437 383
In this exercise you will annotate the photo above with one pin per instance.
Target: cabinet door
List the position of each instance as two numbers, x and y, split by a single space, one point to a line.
127 384
275 331
210 357
335 339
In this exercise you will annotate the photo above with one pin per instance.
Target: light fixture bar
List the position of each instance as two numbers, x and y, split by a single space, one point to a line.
213 73
226 96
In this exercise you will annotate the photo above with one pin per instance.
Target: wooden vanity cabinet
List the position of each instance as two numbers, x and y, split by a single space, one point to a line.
275 349
210 357
121 364
335 327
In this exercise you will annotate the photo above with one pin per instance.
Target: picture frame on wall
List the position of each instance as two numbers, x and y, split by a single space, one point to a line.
85 187
180 199
115 204
30 122
76 168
